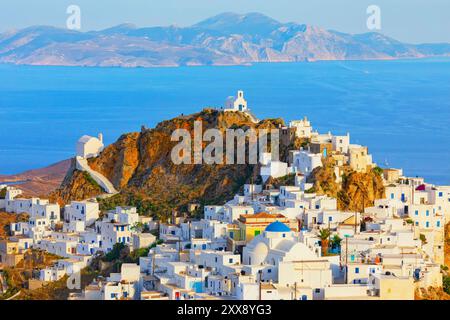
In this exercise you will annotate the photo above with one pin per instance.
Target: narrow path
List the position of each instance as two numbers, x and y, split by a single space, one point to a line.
82 164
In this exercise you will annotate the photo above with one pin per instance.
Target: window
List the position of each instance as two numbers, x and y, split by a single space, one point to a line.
392 196
330 219
417 223
416 212
230 260
441 194
269 270
438 224
356 270
257 232
427 224
428 213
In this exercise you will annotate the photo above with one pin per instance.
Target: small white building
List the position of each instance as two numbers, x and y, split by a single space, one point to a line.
87 211
88 147
113 233
303 128
143 240
305 162
237 103
341 143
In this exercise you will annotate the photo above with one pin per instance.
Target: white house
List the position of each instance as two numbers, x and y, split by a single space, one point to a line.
275 169
87 211
303 128
113 233
341 143
305 162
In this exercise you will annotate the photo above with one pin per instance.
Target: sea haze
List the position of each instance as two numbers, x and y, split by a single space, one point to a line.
400 108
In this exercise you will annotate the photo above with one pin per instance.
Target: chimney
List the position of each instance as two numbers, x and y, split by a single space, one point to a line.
100 137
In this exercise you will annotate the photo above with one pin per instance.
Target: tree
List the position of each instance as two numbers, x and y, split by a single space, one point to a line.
336 241
324 234
378 171
138 227
118 251
3 193
446 284
423 239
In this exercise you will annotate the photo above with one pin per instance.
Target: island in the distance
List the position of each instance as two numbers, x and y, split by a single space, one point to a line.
226 39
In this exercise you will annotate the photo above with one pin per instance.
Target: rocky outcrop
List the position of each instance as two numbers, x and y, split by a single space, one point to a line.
77 185
360 190
357 190
139 165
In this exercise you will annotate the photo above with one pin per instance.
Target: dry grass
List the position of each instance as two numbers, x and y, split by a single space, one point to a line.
6 219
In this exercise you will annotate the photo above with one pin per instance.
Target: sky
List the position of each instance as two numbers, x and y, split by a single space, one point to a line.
414 21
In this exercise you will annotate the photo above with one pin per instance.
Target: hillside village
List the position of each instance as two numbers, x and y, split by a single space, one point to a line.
288 236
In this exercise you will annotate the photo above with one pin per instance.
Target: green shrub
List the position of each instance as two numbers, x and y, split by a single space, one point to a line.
446 284
3 193
378 171
423 238
91 180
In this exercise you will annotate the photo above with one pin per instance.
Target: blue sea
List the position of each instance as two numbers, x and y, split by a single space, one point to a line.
400 109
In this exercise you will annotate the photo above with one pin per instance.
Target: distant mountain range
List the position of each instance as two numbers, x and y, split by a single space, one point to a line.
226 39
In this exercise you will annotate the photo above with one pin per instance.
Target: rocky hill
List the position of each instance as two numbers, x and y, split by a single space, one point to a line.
226 39
39 182
139 165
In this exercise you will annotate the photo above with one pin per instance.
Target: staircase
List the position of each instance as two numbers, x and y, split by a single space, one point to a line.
82 164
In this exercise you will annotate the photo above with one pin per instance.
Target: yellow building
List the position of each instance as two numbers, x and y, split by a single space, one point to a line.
360 159
9 253
390 287
251 225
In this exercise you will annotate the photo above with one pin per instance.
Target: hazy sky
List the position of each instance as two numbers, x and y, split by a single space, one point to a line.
407 20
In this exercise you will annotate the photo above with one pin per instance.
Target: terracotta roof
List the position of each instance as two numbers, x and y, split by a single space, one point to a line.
260 215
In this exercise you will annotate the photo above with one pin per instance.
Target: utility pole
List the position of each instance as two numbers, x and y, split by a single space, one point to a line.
329 235
346 259
260 289
153 263
295 290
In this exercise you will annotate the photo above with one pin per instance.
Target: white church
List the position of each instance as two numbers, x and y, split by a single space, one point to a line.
237 103
89 147
283 259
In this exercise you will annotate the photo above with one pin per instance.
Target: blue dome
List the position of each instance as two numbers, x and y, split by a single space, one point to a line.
277 226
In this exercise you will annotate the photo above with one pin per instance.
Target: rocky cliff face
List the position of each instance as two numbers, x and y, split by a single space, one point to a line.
140 166
77 185
356 192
